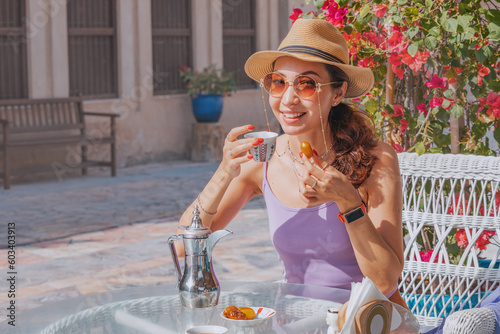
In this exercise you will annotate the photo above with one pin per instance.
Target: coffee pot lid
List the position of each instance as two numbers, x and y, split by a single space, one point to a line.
196 229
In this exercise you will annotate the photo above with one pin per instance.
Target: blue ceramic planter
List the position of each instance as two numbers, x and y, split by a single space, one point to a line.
207 108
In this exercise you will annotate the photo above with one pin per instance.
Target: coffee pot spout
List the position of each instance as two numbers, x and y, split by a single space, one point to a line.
214 238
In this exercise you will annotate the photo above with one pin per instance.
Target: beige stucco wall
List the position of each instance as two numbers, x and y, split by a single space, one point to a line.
150 128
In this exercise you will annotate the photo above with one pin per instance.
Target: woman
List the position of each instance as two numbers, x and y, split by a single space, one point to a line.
307 80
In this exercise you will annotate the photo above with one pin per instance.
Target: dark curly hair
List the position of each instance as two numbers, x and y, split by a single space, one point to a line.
353 134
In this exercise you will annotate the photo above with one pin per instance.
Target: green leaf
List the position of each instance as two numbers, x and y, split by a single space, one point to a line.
450 25
430 42
429 3
364 11
397 18
402 2
487 51
308 15
480 55
453 249
448 93
435 31
456 111
348 29
435 150
420 148
319 3
307 1
412 49
444 17
435 110
371 106
493 15
342 3
494 85
496 133
412 31
463 21
446 103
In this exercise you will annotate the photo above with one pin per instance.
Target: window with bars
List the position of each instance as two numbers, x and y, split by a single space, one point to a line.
171 28
13 61
92 48
238 38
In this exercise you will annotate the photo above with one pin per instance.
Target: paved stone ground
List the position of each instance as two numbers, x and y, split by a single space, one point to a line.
96 233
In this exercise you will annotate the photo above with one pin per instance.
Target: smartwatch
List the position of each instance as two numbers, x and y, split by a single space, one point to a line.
353 215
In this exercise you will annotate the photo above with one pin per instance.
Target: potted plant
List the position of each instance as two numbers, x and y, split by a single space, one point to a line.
207 90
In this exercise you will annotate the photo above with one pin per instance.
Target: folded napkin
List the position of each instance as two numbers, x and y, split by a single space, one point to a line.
362 293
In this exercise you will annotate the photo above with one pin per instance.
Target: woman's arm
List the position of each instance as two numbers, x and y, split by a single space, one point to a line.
233 184
377 238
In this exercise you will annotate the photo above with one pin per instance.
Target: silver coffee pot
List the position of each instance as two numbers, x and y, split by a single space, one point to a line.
198 286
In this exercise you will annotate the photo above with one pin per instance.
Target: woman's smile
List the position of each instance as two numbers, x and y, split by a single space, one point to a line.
290 117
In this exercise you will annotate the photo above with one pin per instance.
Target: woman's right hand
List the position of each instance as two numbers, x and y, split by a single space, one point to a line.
235 151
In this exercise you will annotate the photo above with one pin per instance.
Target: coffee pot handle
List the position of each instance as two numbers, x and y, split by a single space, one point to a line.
175 258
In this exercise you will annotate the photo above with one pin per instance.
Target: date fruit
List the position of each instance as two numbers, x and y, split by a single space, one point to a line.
305 148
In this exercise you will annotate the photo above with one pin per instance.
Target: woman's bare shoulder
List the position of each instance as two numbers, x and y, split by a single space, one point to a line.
385 170
386 156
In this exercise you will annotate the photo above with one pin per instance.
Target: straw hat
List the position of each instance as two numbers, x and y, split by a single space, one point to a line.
316 41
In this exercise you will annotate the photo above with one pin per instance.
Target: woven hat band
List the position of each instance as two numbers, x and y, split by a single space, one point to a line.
311 51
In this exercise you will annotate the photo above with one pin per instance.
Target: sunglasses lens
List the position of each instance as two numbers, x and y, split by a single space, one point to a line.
274 84
304 86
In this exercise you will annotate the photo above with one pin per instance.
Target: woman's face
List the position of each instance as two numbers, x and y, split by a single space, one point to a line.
299 116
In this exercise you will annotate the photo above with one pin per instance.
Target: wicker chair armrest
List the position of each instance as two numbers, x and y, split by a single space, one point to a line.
472 321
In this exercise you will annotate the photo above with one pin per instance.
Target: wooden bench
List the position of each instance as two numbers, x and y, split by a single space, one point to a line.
447 198
51 122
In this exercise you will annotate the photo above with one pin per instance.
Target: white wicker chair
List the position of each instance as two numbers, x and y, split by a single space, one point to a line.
447 192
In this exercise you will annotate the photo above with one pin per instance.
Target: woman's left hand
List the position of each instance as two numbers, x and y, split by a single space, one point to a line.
323 183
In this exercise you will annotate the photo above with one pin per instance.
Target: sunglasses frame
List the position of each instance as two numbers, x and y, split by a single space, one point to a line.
289 83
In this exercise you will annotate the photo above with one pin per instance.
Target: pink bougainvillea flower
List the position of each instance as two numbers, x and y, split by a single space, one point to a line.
481 242
422 108
436 102
398 71
484 239
437 82
451 81
395 39
379 10
461 237
353 50
403 126
366 62
426 256
415 63
398 148
395 59
483 70
398 110
377 40
480 80
296 14
335 15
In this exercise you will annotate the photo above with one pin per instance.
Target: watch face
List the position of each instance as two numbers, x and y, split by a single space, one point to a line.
353 215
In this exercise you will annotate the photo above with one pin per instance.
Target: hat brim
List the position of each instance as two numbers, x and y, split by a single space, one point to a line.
361 79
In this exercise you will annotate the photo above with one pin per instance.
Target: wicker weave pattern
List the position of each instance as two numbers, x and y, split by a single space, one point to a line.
447 192
476 321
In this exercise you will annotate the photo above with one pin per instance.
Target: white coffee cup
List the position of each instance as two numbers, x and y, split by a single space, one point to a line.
207 329
265 150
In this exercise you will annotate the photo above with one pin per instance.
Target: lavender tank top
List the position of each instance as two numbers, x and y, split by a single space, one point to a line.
312 243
